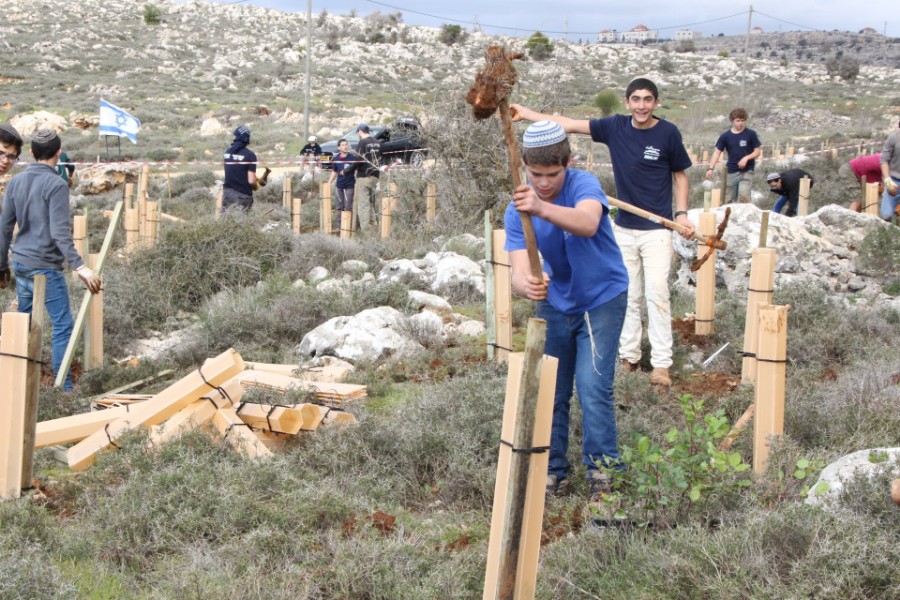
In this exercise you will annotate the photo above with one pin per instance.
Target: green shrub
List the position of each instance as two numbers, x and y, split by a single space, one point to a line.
539 46
152 14
607 101
451 34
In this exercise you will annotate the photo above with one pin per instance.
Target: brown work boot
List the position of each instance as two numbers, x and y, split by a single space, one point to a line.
630 367
660 376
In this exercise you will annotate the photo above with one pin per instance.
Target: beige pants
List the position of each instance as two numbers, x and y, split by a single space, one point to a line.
367 205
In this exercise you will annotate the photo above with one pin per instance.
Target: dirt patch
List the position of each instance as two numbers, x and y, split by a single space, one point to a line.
561 522
383 522
685 330
707 384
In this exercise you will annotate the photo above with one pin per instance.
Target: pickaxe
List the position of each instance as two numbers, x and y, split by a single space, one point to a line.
488 94
715 243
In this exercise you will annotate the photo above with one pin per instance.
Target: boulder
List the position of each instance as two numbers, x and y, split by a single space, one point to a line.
97 179
425 301
453 270
211 127
402 270
863 462
28 124
371 335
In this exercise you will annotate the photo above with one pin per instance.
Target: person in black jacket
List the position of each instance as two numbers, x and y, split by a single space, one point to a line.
787 186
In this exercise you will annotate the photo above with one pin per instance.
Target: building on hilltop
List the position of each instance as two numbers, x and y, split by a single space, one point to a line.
607 36
687 34
638 34
756 30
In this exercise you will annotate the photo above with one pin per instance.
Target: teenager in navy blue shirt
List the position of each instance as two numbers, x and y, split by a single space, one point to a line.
649 162
344 165
240 172
742 146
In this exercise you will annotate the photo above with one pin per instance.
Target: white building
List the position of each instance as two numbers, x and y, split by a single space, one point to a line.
607 37
639 34
687 34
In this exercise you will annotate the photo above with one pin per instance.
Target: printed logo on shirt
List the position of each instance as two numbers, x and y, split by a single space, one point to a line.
234 156
743 144
651 153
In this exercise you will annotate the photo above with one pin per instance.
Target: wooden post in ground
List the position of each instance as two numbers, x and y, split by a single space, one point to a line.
128 197
35 339
803 201
346 224
86 300
430 202
325 209
502 297
489 286
132 229
521 473
762 277
790 151
871 199
287 191
723 183
296 205
704 321
705 157
14 383
93 331
80 235
387 207
768 419
152 223
715 198
219 204
142 203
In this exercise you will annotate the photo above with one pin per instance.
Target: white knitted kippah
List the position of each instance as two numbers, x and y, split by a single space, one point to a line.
543 133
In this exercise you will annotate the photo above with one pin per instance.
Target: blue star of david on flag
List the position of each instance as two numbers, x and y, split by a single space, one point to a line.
115 121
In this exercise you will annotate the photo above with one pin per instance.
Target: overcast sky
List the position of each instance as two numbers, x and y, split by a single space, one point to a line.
584 18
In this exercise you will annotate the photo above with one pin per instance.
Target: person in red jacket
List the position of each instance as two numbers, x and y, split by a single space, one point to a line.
862 168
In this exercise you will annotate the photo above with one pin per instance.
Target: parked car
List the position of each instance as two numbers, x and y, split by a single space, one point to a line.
401 142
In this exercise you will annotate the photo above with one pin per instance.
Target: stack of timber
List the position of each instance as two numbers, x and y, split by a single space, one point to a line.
210 397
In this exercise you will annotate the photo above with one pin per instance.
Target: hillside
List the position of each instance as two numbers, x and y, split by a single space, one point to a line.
242 63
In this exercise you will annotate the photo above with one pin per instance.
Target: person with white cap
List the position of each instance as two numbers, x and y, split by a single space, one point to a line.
582 295
37 200
787 186
312 149
649 165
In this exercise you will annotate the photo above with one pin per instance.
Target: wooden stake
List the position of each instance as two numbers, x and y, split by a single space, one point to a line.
198 412
715 198
489 286
762 278
287 192
66 430
296 204
723 184
803 201
214 372
513 511
502 297
238 434
704 321
768 419
346 224
86 301
763 229
430 202
80 235
152 223
387 206
325 209
35 339
14 383
132 230
128 196
93 331
219 204
521 477
280 419
872 199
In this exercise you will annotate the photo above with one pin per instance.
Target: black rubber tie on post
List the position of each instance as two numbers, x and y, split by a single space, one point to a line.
109 438
27 358
535 450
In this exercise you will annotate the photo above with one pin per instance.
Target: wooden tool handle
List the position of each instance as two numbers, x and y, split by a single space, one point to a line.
512 154
712 242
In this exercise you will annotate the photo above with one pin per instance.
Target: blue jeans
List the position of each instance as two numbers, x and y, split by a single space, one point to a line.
586 345
779 204
57 303
889 202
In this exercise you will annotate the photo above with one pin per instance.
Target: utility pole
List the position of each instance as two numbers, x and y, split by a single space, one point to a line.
746 52
308 58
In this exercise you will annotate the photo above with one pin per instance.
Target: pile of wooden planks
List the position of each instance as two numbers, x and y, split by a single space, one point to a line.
211 395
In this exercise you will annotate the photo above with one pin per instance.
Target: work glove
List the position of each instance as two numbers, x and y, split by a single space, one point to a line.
89 278
4 278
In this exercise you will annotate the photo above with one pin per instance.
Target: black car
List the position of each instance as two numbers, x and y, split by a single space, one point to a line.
400 142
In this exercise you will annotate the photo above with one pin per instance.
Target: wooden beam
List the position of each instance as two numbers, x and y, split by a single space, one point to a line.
803 200
334 392
332 374
86 300
35 353
768 418
238 434
93 333
502 296
489 286
74 428
14 383
214 372
762 278
430 202
705 300
280 419
198 412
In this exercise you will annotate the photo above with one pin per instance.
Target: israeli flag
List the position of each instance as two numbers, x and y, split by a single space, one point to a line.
115 121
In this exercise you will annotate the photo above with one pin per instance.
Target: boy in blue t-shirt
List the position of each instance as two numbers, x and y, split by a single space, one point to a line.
582 295
742 146
344 166
649 163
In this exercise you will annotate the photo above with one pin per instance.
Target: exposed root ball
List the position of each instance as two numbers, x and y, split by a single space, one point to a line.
494 82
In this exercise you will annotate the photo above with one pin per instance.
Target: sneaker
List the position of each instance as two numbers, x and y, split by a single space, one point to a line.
660 376
599 485
629 367
557 486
